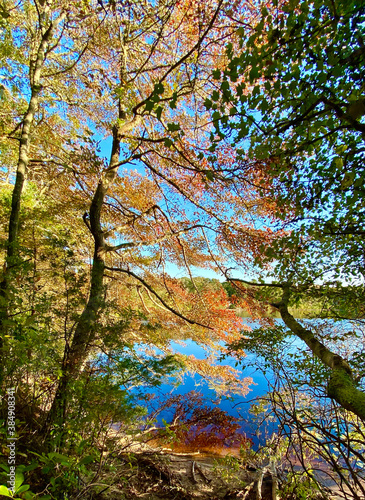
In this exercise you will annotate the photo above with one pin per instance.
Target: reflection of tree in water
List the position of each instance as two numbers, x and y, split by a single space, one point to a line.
196 426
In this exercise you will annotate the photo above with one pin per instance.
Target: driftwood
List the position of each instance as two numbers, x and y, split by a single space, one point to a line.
180 475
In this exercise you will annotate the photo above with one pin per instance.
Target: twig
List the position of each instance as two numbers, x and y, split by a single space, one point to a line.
193 472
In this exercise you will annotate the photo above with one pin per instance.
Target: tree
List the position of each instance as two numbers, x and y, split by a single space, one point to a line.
97 283
40 43
292 100
307 427
295 96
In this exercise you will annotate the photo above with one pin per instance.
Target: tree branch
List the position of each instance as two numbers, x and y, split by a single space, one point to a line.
182 59
148 287
125 246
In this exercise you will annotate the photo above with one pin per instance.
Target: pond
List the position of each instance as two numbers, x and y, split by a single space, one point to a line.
235 405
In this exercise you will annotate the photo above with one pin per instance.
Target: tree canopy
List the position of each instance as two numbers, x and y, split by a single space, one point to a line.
90 241
142 142
292 98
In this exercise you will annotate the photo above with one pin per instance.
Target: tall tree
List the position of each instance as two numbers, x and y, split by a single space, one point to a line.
31 76
296 93
137 75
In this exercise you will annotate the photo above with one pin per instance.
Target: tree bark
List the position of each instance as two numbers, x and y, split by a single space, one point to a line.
35 72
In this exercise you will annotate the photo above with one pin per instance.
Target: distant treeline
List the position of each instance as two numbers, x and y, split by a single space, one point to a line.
318 302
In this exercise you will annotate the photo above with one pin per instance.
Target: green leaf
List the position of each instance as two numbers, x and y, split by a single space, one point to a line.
254 73
348 180
225 86
30 467
173 101
23 488
264 105
87 460
216 115
5 491
215 95
209 175
19 479
59 458
208 103
173 127
338 162
159 89
149 105
159 112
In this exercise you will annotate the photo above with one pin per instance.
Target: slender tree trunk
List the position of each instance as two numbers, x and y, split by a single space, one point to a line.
35 72
76 354
12 253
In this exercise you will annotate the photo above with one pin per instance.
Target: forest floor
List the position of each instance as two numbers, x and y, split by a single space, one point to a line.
163 475
154 474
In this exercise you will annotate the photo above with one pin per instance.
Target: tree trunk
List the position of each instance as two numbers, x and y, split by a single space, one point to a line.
12 252
341 386
76 354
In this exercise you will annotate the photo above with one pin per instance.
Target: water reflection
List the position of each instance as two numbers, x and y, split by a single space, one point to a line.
235 405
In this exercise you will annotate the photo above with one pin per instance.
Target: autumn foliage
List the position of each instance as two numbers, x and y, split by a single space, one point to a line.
110 196
196 426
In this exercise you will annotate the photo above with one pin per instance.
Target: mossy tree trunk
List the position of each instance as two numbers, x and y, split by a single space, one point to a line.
341 385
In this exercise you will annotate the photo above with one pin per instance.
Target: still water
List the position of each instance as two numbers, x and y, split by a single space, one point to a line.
235 405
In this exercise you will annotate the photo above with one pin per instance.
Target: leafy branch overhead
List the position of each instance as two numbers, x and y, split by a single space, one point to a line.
292 97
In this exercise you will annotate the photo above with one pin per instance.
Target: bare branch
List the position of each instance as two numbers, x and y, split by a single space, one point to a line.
125 246
185 57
